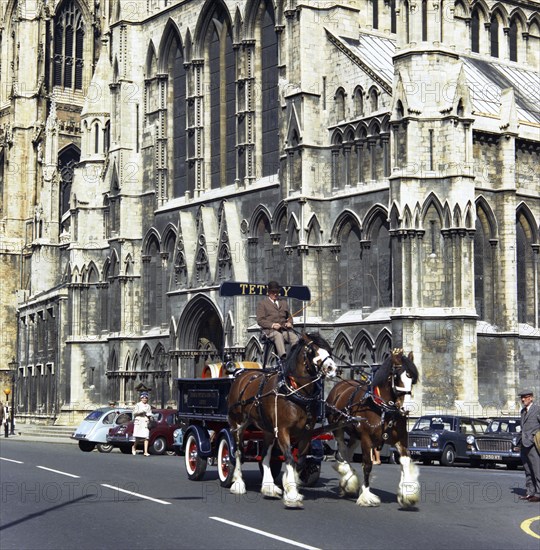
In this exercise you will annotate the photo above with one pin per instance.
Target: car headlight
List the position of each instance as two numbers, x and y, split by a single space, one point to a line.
434 438
470 439
515 441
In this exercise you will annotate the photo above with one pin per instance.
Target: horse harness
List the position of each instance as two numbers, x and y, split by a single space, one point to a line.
372 398
287 386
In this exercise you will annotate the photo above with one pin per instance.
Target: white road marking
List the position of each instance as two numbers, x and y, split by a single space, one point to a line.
265 534
134 494
10 460
58 472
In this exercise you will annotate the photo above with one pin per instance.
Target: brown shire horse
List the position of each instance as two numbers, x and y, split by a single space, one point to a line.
283 404
372 414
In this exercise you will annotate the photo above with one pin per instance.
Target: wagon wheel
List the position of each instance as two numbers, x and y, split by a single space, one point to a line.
309 475
195 464
104 447
225 463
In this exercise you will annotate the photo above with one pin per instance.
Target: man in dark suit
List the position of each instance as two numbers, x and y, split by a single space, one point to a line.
530 424
275 320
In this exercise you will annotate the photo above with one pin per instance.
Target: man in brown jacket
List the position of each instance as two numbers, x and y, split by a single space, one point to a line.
275 320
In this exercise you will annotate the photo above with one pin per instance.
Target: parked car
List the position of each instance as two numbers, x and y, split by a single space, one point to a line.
92 431
499 444
443 438
161 436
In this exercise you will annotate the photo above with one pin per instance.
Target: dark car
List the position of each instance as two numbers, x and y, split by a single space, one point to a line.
499 444
443 438
161 436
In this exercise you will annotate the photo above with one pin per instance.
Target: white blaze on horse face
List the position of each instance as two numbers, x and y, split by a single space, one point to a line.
329 368
406 383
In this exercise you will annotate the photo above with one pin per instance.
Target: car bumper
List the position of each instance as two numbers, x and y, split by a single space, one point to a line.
116 441
425 452
504 458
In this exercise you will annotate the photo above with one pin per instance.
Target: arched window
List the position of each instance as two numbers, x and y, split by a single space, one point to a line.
377 277
393 27
513 40
339 99
350 274
475 32
494 36
374 100
68 47
152 284
375 4
96 138
268 48
424 20
221 74
358 102
67 159
483 269
525 272
176 131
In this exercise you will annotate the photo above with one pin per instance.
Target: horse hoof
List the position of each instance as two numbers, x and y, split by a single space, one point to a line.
238 488
408 501
296 504
270 491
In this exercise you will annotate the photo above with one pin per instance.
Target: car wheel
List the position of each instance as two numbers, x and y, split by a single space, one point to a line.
125 450
159 446
225 463
104 447
86 446
448 456
195 464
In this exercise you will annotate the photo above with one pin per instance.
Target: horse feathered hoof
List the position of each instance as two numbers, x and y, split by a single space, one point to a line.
409 495
349 482
238 488
270 490
367 498
294 503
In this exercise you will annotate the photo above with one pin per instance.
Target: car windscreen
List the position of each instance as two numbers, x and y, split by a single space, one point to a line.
498 426
432 423
123 418
94 415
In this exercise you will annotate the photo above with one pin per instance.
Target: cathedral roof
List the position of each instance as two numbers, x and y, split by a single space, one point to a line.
486 78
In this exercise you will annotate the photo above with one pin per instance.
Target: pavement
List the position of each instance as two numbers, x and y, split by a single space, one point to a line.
44 434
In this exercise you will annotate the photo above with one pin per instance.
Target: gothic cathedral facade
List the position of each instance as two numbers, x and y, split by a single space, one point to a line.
383 153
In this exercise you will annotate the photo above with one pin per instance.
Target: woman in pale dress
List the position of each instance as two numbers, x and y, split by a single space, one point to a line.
141 414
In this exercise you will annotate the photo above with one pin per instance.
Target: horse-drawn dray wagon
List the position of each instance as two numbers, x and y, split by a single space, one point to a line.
273 415
208 440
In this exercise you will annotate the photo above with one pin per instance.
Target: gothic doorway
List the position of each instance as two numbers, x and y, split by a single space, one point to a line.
200 336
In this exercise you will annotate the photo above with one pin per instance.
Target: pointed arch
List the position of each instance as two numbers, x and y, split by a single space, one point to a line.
363 348
346 221
528 286
151 63
201 322
342 347
383 345
485 274
314 231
